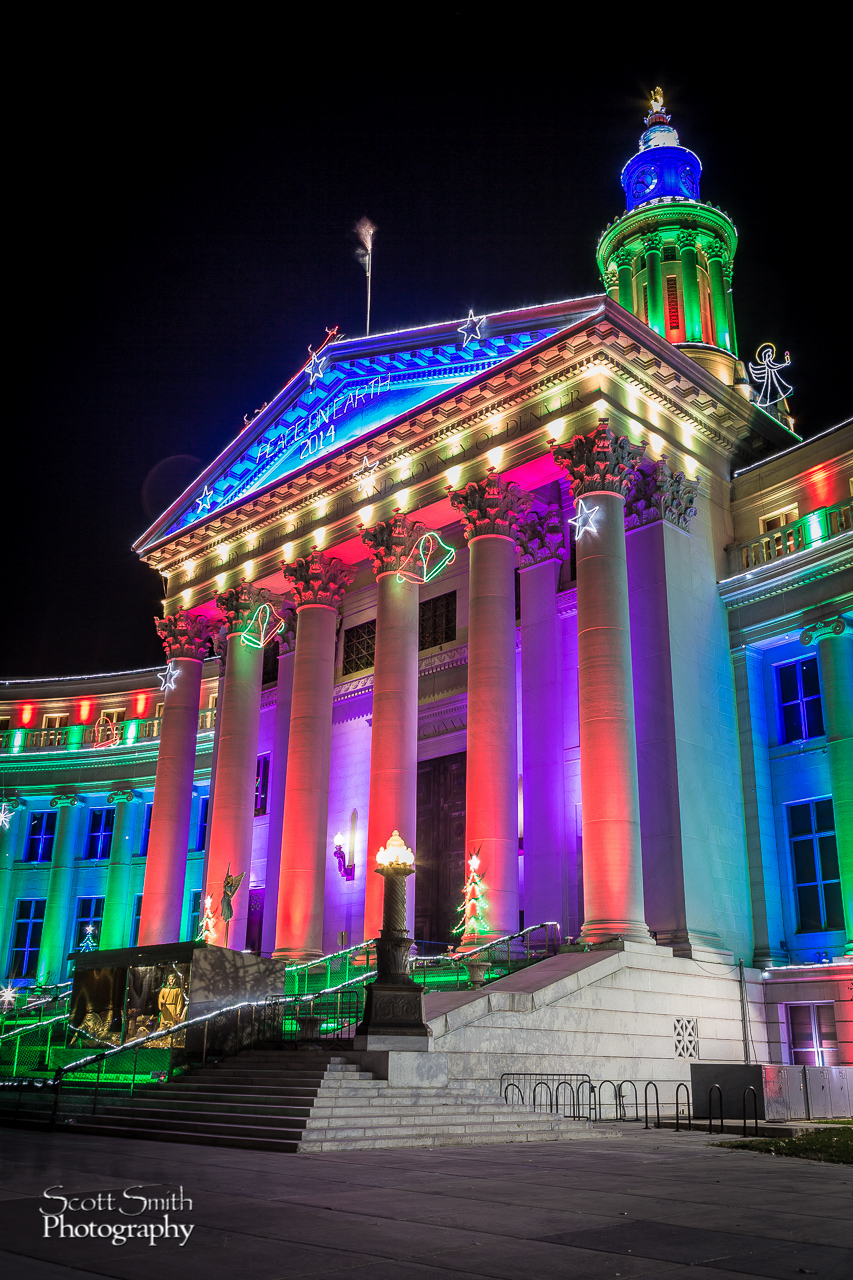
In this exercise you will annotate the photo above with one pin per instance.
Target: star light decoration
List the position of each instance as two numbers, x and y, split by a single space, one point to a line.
5 816
168 677
203 503
470 330
365 477
315 366
584 520
7 996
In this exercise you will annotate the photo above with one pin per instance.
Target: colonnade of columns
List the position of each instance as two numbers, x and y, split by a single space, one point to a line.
688 242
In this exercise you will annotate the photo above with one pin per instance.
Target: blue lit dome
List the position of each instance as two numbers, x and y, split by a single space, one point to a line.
661 169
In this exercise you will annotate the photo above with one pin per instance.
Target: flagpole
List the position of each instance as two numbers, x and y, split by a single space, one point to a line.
369 273
365 230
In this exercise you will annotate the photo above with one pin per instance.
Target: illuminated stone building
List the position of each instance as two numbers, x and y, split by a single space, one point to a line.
551 586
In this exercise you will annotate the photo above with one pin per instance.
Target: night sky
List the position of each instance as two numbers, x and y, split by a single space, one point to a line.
184 230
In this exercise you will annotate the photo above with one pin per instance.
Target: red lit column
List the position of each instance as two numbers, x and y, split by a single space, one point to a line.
542 746
55 941
317 583
114 923
394 730
601 468
249 622
278 774
490 510
185 637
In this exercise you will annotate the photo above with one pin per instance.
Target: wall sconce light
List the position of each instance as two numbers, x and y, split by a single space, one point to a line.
346 866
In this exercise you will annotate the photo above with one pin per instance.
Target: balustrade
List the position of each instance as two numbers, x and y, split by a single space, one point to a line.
124 733
818 526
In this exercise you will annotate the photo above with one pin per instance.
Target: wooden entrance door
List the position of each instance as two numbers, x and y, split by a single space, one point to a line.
440 849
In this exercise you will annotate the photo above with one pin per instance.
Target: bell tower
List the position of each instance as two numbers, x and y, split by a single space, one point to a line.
668 258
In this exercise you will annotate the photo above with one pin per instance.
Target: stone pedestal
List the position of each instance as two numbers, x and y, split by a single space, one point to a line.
394 1004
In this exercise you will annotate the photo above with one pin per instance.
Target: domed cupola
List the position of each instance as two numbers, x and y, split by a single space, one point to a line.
661 169
668 258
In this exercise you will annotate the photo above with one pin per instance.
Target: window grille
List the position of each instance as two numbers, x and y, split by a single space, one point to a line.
26 937
359 647
437 621
90 914
814 854
672 302
40 837
100 838
686 1036
800 711
670 253
813 1035
262 783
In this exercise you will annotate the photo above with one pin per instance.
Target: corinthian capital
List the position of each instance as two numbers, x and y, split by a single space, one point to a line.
240 604
490 506
318 579
184 635
836 626
286 638
540 537
661 494
392 541
623 257
715 249
600 463
653 243
686 240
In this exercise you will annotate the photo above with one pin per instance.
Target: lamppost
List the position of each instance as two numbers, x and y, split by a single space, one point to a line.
394 1004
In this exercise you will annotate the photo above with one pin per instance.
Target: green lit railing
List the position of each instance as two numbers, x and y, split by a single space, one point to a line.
96 737
817 527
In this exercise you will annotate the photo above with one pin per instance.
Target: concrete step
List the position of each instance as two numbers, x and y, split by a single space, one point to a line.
481 1137
227 1106
256 1142
414 1125
264 1126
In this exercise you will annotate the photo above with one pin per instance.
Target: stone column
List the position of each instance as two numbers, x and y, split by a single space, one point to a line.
545 883
690 286
730 308
249 622
12 813
835 659
601 467
317 583
286 641
185 637
652 248
54 938
715 252
490 510
623 260
114 926
394 731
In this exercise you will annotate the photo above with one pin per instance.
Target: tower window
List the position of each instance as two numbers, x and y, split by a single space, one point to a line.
359 647
646 303
437 621
672 302
670 253
800 712
814 854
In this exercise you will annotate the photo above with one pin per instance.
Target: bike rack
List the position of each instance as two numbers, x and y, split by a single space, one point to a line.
750 1089
651 1085
711 1109
636 1099
616 1100
681 1085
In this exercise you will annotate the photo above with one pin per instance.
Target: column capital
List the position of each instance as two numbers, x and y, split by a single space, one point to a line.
653 243
623 257
240 604
123 796
686 240
824 629
392 541
661 494
599 463
540 537
490 506
286 638
184 635
715 249
59 802
317 579
728 270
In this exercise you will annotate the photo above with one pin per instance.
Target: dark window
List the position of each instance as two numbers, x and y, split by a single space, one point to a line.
800 712
40 837
195 912
359 647
262 784
90 913
437 621
672 301
670 253
146 833
814 1038
134 923
26 937
201 830
100 838
646 303
814 855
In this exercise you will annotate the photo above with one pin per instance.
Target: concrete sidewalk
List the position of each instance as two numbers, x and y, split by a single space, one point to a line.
637 1204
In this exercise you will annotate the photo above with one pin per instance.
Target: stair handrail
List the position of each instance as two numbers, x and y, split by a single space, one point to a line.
460 958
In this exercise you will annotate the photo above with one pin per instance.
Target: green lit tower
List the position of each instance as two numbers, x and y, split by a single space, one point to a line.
668 258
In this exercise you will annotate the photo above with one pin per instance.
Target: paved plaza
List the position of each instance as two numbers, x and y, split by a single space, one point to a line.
638 1204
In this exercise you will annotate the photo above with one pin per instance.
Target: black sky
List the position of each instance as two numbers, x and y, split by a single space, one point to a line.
182 231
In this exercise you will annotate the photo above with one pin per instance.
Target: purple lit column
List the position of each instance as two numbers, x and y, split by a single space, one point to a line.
601 468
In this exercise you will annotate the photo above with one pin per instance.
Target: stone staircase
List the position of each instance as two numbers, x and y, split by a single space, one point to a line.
312 1101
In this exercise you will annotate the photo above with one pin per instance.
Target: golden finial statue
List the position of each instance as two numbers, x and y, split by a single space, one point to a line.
657 100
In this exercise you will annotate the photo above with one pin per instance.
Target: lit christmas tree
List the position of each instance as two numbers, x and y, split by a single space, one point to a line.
473 922
207 924
89 943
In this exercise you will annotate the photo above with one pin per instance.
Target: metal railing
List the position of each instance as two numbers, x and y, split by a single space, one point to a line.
818 526
491 961
354 963
101 736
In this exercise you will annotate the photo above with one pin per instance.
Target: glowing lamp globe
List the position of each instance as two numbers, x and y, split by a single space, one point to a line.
395 853
339 840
